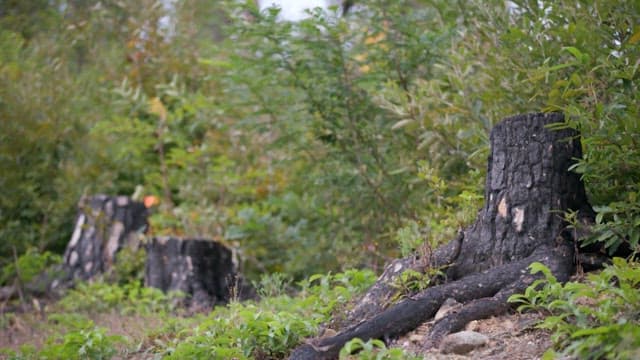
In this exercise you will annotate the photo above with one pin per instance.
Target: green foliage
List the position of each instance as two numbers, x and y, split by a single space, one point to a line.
616 224
28 265
75 337
373 350
70 321
409 238
594 319
271 328
28 18
328 134
412 281
37 142
267 329
272 285
129 266
340 108
84 344
130 298
284 233
324 144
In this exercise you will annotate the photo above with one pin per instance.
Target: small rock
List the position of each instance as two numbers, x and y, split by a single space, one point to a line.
462 342
416 338
473 326
447 307
526 324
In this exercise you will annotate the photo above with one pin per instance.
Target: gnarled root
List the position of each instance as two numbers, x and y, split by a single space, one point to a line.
485 294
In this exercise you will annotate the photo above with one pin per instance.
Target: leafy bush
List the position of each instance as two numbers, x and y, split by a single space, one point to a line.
130 298
271 328
84 344
28 265
73 337
594 319
346 108
129 266
272 285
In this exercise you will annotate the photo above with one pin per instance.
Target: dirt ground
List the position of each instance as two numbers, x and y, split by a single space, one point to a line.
511 337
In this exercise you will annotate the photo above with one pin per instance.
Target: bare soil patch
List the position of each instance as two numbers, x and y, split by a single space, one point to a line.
511 337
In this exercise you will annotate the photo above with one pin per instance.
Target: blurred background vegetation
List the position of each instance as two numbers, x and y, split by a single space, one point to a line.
324 144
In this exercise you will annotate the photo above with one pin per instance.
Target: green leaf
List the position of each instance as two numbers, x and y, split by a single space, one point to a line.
592 331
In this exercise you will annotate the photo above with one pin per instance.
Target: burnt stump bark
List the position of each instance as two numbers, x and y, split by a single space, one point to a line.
104 225
528 189
201 269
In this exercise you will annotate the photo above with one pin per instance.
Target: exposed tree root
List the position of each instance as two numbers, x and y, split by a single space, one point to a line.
485 294
380 295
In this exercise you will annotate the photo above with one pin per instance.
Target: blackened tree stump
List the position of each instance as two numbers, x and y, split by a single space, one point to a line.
528 189
201 269
104 225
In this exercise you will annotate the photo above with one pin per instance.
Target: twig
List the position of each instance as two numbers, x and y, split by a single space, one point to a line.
18 280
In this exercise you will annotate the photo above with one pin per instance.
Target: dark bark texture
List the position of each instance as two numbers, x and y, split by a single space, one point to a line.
104 225
202 269
528 188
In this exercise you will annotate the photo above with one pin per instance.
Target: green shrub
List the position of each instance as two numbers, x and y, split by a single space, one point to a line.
92 343
28 265
272 327
130 298
129 266
74 337
594 319
357 349
272 285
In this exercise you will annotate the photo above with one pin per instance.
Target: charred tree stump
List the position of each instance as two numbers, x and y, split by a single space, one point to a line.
528 188
104 225
202 269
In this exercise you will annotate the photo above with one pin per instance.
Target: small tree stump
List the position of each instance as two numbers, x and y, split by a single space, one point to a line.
202 269
104 225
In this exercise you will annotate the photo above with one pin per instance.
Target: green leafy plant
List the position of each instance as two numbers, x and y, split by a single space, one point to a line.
373 350
130 298
593 319
617 224
409 238
412 281
92 343
272 327
72 336
28 265
129 266
272 285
